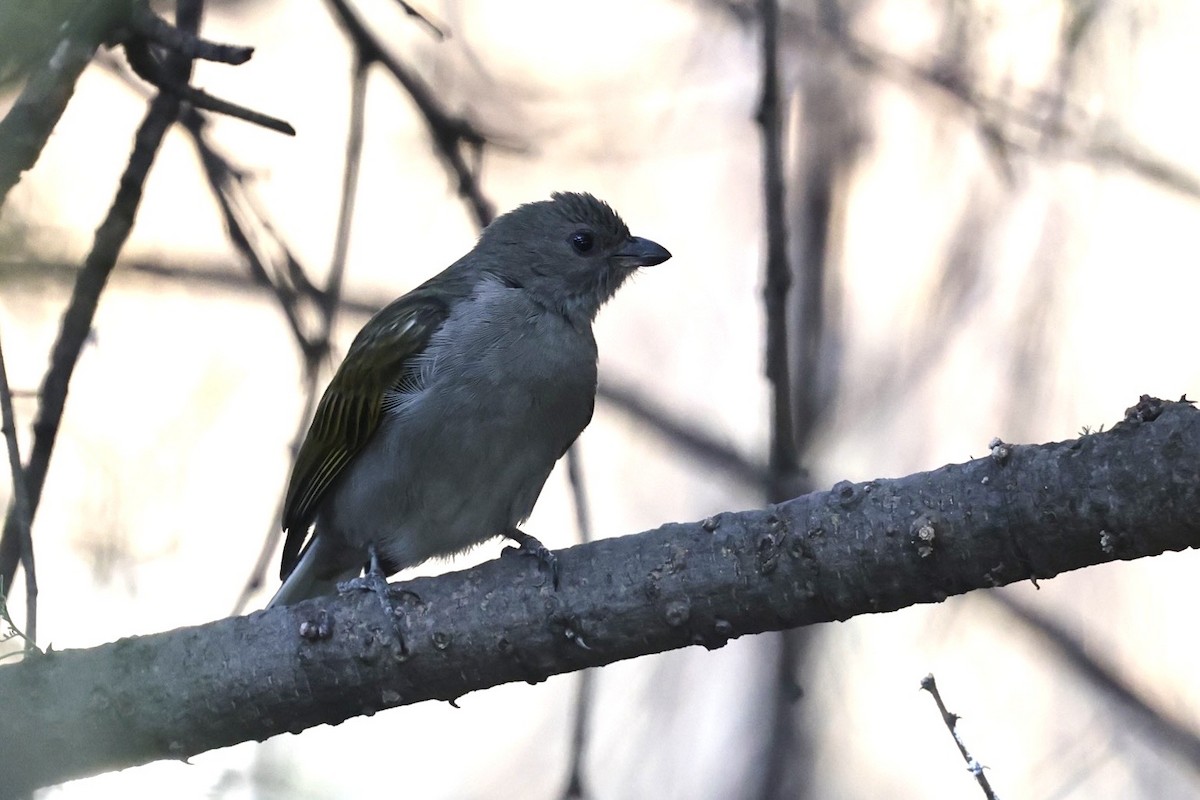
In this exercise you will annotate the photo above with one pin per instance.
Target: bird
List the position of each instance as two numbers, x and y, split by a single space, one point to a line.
440 427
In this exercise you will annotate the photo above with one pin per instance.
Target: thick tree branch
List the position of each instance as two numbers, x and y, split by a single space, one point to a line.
27 126
1019 513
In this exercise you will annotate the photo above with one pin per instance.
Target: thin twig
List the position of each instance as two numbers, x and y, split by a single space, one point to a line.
145 64
199 98
583 516
21 510
157 30
446 131
585 686
585 689
147 28
269 259
1174 735
436 29
9 629
1036 124
329 301
266 553
274 266
684 436
783 738
212 275
826 145
271 263
784 742
77 320
784 461
352 163
951 720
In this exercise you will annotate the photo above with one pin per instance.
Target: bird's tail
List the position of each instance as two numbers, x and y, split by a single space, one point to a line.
316 574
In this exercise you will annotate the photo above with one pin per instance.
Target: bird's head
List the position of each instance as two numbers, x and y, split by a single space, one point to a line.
571 252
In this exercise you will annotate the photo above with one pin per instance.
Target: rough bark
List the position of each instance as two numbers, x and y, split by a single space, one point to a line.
1021 512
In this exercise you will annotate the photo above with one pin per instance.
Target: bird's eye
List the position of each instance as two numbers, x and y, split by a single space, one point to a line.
582 241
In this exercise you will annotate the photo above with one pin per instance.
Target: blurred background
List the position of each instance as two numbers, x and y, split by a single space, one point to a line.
990 214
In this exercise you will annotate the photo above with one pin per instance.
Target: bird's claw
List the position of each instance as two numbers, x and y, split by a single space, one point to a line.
375 581
530 546
370 582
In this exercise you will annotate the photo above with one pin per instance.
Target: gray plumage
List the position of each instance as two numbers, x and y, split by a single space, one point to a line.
454 402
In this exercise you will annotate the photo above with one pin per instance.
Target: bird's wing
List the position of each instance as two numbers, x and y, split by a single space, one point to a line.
350 410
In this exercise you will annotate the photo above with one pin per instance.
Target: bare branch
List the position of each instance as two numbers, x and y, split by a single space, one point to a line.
352 163
859 548
450 134
272 265
585 687
951 721
22 515
1006 126
579 492
266 554
154 28
785 476
784 461
145 64
691 439
1171 734
28 124
330 300
271 262
438 30
77 320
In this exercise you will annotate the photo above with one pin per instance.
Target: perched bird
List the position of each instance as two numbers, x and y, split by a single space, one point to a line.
442 424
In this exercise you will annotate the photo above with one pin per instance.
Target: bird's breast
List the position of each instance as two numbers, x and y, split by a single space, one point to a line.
505 365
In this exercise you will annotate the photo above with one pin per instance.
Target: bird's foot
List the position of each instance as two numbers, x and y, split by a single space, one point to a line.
530 546
375 581
370 582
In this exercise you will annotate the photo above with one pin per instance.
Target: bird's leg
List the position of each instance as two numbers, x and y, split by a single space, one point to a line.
376 582
532 547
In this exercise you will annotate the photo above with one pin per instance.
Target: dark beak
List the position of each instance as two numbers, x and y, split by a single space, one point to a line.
639 252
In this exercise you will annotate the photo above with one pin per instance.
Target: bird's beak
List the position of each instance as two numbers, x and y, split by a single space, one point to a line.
639 252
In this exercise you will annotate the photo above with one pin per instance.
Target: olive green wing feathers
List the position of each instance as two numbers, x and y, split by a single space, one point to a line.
351 408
